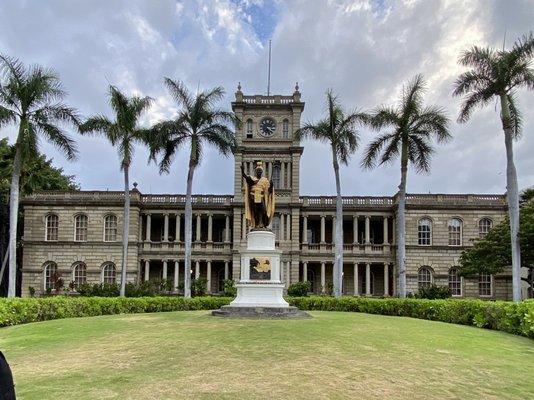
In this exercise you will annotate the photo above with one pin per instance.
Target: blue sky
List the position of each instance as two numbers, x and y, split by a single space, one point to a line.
363 50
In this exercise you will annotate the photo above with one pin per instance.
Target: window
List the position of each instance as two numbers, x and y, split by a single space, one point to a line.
50 274
79 274
276 226
424 232
110 228
285 129
484 285
109 273
249 129
455 232
484 226
276 176
455 282
52 225
80 228
424 277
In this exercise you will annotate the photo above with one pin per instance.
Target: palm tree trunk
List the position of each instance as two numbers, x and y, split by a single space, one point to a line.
125 229
512 194
13 220
401 226
338 262
188 229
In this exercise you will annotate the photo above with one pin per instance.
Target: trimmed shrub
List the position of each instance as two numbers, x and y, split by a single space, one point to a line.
229 288
433 292
198 287
516 318
23 310
299 289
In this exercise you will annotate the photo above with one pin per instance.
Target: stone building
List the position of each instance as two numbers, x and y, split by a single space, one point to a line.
78 234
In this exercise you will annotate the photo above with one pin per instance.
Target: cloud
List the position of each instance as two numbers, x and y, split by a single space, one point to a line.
364 50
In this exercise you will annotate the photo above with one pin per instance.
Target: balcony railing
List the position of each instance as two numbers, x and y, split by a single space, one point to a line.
180 246
180 199
348 248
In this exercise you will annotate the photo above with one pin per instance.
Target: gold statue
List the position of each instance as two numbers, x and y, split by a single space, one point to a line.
259 198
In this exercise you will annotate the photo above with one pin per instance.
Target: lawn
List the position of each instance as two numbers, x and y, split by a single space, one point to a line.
331 356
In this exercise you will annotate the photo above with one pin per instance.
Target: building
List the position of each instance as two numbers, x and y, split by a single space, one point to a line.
78 234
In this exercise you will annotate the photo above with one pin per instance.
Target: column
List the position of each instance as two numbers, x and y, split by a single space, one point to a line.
140 227
210 228
386 233
323 277
166 227
243 225
282 230
197 269
367 229
227 229
355 229
305 229
226 270
334 230
178 222
305 271
288 226
148 223
386 279
198 228
283 175
176 276
322 228
356 282
367 279
288 273
270 170
208 272
165 269
147 270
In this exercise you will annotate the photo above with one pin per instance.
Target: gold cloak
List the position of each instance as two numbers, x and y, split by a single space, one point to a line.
259 188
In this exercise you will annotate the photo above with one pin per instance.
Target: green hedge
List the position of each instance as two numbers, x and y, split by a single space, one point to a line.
516 318
23 310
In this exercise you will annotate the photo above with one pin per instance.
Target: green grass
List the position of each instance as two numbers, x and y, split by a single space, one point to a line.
332 356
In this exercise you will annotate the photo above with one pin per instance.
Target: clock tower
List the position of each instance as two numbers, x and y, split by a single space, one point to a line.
266 134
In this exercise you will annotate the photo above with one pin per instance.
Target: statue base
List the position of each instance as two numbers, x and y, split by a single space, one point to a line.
260 289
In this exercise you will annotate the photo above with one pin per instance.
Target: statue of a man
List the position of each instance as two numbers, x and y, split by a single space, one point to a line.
259 198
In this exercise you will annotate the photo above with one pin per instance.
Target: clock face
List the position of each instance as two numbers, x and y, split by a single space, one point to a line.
267 126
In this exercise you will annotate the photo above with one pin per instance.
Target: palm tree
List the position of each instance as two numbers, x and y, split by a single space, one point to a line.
31 97
497 74
410 128
338 130
198 123
124 133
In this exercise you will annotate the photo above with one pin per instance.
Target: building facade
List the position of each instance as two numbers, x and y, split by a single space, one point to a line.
79 234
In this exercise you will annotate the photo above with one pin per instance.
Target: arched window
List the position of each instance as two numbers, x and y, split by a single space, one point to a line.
49 272
285 129
455 232
109 273
110 228
79 273
484 226
52 227
276 226
484 284
276 176
424 232
80 228
424 277
249 128
455 282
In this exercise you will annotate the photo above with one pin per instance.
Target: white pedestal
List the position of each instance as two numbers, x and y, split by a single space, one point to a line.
260 284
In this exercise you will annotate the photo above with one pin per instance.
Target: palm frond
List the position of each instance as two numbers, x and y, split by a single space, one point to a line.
523 48
7 116
412 97
419 153
434 121
57 138
12 68
373 150
383 117
478 98
515 115
179 92
470 81
221 137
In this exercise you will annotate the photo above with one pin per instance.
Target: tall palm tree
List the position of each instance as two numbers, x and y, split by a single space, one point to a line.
497 74
124 132
410 128
30 97
338 130
198 123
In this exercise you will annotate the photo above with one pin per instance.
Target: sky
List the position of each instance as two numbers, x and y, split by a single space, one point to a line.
363 50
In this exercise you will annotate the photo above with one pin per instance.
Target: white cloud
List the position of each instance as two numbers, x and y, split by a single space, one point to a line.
364 50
